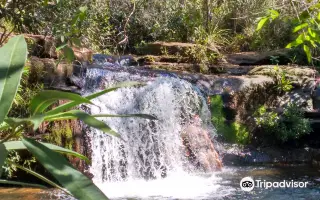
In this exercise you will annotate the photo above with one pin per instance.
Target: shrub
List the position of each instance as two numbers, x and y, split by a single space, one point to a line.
289 126
283 84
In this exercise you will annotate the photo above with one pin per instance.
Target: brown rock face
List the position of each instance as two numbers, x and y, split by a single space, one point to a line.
82 54
170 48
200 149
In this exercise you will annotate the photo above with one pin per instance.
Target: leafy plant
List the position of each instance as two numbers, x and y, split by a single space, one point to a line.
12 59
271 15
274 60
283 84
307 23
291 125
199 54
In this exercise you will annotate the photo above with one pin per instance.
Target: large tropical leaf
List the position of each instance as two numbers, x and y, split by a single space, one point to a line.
18 145
46 98
3 156
35 120
71 179
39 176
72 104
86 118
13 56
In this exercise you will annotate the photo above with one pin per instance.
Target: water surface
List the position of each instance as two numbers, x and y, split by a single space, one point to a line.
222 185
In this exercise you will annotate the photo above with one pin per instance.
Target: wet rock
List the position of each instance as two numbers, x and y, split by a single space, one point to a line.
103 59
76 81
114 61
127 60
199 148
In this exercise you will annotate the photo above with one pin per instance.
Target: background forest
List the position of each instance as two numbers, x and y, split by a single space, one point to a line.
114 26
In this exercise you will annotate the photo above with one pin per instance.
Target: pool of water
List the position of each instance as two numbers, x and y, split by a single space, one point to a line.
224 185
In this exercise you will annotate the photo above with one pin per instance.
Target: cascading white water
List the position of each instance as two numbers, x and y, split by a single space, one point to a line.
153 149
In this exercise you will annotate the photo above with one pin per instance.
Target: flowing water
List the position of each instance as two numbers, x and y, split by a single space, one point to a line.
153 148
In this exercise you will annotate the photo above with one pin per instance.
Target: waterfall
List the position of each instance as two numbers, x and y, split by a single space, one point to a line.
151 149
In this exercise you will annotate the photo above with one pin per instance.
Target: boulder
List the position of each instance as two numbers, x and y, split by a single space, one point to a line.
259 58
199 148
47 71
41 46
82 54
298 71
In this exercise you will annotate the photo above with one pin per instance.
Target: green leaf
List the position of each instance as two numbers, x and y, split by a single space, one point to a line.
274 14
82 16
74 19
262 22
45 2
299 27
72 104
22 184
312 33
36 120
308 53
76 41
128 115
75 182
61 47
46 98
299 40
18 145
3 156
304 15
13 56
83 9
69 54
86 118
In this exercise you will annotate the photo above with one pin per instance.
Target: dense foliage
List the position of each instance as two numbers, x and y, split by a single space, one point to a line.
280 128
113 25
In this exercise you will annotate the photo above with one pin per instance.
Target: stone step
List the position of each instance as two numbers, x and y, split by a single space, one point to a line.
199 68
